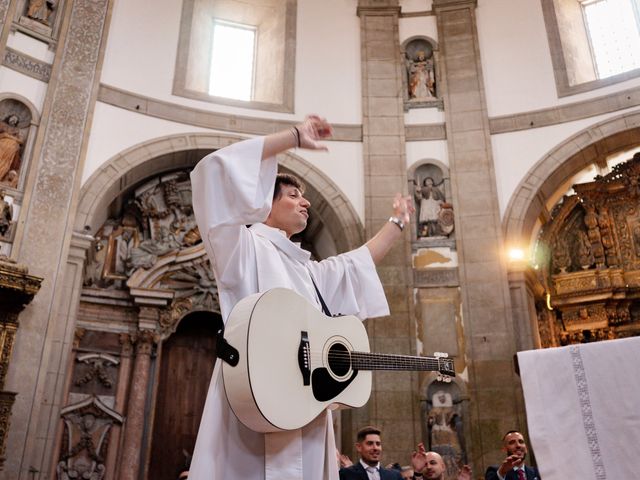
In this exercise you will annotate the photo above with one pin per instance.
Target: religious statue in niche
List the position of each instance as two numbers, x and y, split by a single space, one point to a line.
40 10
11 141
444 429
421 77
434 214
6 214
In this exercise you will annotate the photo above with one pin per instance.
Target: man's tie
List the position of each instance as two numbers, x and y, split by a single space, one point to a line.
521 474
375 474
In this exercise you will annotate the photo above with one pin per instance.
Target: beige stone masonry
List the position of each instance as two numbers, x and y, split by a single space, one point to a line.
488 332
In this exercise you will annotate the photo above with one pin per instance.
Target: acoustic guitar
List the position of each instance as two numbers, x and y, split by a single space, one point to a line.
292 361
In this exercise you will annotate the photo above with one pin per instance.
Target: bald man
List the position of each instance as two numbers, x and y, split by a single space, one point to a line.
430 466
513 466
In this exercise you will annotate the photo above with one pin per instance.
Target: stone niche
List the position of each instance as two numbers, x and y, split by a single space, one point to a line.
588 257
420 79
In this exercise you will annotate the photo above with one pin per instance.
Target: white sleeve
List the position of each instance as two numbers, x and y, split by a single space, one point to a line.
350 285
231 188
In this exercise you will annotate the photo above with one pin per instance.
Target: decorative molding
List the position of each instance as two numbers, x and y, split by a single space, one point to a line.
23 63
566 113
207 119
4 6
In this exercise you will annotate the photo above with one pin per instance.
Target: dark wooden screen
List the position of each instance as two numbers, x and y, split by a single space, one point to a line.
188 357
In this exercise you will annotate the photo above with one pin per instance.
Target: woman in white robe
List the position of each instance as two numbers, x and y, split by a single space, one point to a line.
233 187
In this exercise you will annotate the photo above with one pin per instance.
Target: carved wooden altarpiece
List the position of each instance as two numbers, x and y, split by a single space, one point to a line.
589 258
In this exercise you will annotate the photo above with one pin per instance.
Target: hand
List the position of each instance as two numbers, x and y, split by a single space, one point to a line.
510 462
465 473
313 129
419 458
403 208
344 460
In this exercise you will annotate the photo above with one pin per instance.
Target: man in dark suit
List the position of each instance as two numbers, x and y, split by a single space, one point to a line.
513 466
369 447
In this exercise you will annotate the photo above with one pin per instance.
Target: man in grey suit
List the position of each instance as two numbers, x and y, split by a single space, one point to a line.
513 466
369 447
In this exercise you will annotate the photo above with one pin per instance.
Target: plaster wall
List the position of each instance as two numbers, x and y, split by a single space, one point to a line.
140 57
115 130
30 88
436 150
32 47
515 153
516 60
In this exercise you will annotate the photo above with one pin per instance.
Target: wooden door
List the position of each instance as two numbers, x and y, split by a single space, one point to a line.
188 357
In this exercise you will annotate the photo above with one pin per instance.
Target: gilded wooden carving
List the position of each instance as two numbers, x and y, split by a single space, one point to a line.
589 259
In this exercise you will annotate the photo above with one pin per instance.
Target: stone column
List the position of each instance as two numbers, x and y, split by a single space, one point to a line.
124 374
488 328
131 457
393 405
524 287
44 234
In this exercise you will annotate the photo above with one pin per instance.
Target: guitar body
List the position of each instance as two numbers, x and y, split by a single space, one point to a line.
293 361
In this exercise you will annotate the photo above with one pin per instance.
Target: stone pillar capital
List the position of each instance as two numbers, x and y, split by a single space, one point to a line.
145 339
126 340
378 7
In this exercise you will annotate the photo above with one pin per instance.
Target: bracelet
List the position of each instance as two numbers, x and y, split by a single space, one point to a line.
398 222
296 133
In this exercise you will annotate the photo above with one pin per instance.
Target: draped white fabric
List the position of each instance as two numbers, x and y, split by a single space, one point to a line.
231 189
583 409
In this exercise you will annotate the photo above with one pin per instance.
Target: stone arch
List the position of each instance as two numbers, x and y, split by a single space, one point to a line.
156 156
591 145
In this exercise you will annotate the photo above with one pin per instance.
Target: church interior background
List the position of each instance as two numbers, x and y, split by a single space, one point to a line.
514 125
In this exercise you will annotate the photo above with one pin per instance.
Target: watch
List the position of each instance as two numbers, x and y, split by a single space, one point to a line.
398 222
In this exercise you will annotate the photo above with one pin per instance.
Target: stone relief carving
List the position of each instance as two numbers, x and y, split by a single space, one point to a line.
98 367
444 426
30 66
85 440
589 255
156 220
433 213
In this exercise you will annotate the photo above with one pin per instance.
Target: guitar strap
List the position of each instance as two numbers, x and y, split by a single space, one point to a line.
325 309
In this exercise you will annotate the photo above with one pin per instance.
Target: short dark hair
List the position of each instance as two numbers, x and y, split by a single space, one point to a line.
286 179
509 433
363 432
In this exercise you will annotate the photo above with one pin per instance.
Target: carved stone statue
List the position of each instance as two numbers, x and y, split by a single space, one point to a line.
40 10
10 146
6 215
443 424
429 199
421 77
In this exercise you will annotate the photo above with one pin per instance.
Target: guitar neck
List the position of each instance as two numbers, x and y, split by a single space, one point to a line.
383 361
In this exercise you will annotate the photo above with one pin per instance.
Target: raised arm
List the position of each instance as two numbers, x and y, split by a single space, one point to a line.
303 135
391 231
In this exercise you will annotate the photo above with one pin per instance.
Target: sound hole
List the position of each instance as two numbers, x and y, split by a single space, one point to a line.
339 359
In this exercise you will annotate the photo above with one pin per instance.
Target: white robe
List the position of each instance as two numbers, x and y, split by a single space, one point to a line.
232 188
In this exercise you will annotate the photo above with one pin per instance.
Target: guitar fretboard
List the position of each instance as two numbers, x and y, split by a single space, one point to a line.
383 361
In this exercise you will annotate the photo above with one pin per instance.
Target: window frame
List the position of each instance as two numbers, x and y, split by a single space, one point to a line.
561 71
286 105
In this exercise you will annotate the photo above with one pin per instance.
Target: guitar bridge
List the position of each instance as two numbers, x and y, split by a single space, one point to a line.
304 358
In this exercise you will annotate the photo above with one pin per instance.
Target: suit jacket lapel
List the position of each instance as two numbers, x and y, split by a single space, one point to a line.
362 472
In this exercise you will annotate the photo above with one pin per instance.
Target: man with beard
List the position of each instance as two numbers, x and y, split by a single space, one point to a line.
513 467
369 447
430 466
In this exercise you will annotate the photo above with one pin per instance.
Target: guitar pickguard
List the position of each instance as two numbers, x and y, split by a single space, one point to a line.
325 387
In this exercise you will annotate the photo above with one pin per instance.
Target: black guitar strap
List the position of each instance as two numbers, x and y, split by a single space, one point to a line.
325 309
